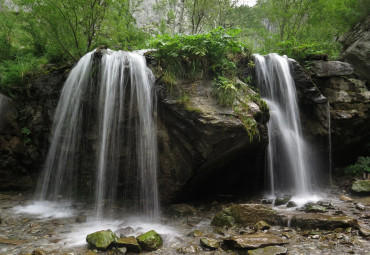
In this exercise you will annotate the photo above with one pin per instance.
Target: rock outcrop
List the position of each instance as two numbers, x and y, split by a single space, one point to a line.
350 115
356 48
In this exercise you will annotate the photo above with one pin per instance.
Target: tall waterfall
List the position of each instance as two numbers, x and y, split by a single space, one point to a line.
288 155
104 123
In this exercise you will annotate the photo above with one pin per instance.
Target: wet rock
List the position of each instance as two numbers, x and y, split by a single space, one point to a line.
282 200
326 204
345 198
122 250
39 252
12 241
270 250
180 210
101 240
189 249
360 206
81 218
196 233
210 243
130 243
122 232
245 215
253 241
361 187
330 68
261 225
291 204
313 208
267 201
322 221
150 241
364 229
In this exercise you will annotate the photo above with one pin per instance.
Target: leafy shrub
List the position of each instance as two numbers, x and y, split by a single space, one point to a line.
225 91
361 166
188 55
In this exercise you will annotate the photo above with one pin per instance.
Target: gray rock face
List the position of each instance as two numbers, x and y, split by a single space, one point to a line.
330 68
356 48
350 114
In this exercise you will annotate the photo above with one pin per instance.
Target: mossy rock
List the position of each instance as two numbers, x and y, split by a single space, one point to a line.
130 243
361 186
101 240
150 241
210 243
282 200
315 208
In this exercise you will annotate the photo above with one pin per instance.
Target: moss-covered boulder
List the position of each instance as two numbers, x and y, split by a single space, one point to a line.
361 187
150 241
261 225
101 240
130 243
282 200
246 215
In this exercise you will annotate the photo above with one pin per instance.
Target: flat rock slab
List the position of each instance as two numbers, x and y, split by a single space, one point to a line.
270 250
254 241
322 221
12 241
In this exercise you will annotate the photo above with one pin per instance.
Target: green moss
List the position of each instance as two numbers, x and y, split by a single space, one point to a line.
101 240
150 241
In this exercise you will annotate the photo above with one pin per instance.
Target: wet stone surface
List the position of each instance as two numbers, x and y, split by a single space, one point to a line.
23 233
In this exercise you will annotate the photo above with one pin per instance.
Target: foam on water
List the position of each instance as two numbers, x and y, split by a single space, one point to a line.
77 237
47 209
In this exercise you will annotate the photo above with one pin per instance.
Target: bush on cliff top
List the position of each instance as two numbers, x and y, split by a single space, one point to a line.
185 55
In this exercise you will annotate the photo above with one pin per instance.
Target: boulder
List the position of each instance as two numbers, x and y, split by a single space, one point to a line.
330 68
150 241
101 240
210 243
282 200
254 241
313 208
130 243
261 225
322 221
246 215
356 48
361 186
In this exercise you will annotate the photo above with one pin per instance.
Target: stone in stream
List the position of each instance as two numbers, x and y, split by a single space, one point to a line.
210 243
150 241
196 233
291 204
130 243
189 249
322 221
361 187
254 241
313 208
270 250
81 218
282 200
39 252
261 225
101 240
246 215
345 198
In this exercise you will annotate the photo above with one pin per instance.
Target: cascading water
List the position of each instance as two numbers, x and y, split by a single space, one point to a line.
104 122
288 156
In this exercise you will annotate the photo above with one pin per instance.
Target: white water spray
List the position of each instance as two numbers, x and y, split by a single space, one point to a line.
288 162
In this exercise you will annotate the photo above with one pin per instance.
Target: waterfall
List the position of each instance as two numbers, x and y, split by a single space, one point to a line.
104 135
288 162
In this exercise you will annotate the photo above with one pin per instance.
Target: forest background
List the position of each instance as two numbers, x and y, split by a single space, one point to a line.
36 34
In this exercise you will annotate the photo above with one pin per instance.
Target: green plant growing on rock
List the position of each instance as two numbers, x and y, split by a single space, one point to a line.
361 167
225 91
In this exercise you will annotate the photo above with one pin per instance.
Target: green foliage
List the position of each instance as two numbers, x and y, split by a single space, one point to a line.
202 53
361 166
14 72
225 91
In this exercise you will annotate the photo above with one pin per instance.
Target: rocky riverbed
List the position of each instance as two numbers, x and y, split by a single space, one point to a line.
337 224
